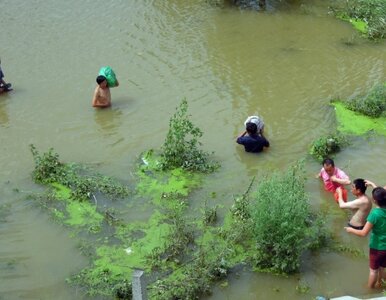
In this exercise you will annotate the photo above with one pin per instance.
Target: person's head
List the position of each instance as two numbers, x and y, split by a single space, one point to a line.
379 196
251 128
101 81
329 166
358 187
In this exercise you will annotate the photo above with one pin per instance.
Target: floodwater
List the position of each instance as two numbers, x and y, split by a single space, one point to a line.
284 64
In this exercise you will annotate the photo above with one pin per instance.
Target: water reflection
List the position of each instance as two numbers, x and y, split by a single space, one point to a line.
108 120
4 119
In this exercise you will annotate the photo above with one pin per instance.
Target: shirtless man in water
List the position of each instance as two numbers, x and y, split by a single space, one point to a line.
361 206
102 95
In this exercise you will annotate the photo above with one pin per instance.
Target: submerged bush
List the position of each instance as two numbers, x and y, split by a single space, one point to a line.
49 169
371 13
281 217
327 145
373 104
181 147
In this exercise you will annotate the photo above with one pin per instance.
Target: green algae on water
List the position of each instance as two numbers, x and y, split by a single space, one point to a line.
354 123
157 185
76 214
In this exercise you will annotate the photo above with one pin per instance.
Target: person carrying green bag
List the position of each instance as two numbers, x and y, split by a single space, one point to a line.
105 80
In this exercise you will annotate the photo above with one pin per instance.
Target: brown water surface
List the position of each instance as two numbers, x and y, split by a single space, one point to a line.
284 64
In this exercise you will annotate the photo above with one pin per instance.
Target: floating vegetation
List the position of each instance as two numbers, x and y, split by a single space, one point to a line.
327 146
367 16
350 122
373 104
184 255
82 184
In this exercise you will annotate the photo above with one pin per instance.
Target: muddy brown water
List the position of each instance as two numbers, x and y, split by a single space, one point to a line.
284 64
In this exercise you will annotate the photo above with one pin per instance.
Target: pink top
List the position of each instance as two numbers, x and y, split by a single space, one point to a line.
328 184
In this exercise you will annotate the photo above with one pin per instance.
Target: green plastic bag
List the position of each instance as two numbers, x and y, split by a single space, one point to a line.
110 76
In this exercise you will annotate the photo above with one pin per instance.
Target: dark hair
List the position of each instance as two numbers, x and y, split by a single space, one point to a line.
379 195
100 79
360 184
328 161
251 128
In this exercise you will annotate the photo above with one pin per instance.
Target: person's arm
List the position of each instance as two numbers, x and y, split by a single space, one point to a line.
266 141
370 183
364 232
355 204
341 178
242 134
95 98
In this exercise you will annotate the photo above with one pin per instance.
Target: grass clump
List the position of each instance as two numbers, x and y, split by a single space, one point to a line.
326 146
367 16
181 146
373 104
282 228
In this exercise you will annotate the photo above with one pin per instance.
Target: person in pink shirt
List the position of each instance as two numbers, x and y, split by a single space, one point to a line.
333 178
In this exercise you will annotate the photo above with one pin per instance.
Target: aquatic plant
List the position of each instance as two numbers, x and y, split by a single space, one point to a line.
184 255
181 146
354 123
49 169
326 146
281 215
209 214
192 279
373 104
367 16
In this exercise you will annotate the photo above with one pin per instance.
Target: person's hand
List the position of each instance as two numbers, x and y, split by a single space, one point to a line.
348 229
333 178
369 183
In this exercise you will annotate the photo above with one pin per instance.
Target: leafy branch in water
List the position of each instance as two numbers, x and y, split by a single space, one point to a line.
181 147
326 146
49 169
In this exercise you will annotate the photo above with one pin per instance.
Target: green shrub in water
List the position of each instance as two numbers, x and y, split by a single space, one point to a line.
49 169
181 147
368 16
327 145
373 104
281 217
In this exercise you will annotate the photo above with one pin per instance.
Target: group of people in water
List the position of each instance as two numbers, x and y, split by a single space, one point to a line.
365 218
